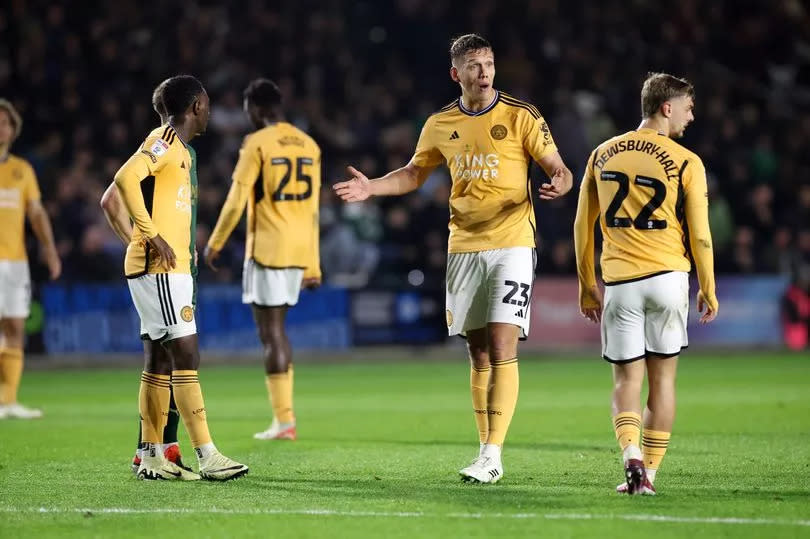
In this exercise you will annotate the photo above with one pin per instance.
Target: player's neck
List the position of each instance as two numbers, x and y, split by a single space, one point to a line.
478 104
4 148
183 130
267 120
655 123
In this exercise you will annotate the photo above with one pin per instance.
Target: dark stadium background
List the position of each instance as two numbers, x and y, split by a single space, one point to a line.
361 77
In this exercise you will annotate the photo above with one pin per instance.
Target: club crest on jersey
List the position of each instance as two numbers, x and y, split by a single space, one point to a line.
17 174
159 147
187 314
498 132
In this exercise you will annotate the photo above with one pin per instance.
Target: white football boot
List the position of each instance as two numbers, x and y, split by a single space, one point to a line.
487 468
278 431
155 467
218 467
18 411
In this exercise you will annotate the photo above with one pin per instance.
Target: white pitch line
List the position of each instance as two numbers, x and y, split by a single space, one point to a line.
411 514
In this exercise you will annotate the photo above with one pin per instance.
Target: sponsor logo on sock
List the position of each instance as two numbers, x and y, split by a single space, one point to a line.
198 411
494 412
199 452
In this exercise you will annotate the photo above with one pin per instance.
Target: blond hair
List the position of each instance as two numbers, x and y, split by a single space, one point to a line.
16 120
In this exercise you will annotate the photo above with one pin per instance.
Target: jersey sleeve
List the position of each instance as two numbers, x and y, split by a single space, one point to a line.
696 207
313 268
584 243
31 186
249 164
150 158
537 139
426 153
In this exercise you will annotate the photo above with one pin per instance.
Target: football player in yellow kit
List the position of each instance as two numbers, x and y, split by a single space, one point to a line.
278 177
19 197
155 185
487 138
644 187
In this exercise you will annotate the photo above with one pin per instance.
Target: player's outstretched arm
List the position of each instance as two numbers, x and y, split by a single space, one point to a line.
561 179
397 182
41 225
116 214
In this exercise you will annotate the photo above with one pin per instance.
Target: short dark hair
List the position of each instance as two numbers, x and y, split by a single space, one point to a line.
179 93
660 88
466 43
263 93
157 98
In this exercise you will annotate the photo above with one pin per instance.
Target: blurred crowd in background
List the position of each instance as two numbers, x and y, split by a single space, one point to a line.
362 76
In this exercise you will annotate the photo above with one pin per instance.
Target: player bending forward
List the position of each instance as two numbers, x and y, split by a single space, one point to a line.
643 186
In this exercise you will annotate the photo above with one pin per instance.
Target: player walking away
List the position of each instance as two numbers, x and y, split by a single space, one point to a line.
155 185
486 137
278 176
19 196
118 218
643 184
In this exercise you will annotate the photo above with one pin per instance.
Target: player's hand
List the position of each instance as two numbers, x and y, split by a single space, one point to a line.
709 304
196 257
54 264
556 187
210 254
590 303
165 253
355 189
311 283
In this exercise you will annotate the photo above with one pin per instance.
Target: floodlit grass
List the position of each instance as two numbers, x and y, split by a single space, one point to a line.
380 444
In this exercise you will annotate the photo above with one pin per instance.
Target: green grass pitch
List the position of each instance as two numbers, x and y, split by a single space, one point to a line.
380 443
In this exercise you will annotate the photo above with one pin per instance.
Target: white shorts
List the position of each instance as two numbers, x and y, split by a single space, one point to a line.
489 286
270 287
647 316
163 301
15 289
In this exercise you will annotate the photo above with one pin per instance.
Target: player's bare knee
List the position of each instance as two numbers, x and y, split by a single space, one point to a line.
479 357
502 347
13 330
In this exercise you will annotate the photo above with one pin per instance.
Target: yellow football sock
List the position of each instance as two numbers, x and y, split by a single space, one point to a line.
503 395
655 443
190 404
153 404
11 367
628 429
279 389
479 387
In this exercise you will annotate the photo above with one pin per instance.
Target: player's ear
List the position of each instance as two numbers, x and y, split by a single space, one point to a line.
666 109
454 74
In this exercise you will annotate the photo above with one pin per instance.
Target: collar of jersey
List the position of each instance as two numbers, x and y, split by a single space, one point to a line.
649 130
184 143
468 112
